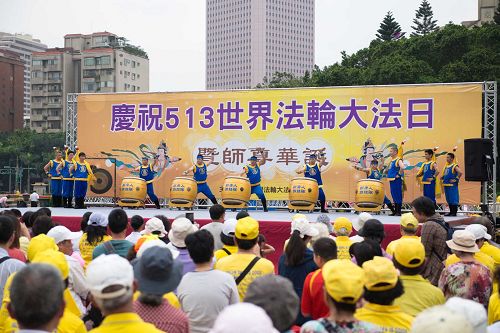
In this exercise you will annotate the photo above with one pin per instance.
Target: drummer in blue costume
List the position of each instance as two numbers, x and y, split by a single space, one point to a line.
375 172
451 176
68 183
200 173
252 171
53 171
428 173
313 170
395 175
82 174
146 172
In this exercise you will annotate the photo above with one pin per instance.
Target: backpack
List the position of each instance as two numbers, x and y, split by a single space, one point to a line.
449 230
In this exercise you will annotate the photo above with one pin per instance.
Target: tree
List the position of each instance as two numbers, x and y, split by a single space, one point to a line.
496 17
389 28
424 20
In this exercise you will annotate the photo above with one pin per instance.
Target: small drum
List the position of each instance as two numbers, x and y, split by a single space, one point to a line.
133 190
235 191
303 191
369 193
183 191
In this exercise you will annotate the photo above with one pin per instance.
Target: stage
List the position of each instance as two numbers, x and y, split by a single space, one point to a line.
275 225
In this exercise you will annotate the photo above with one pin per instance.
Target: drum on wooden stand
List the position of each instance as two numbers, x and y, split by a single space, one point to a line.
183 192
132 192
369 195
303 194
235 192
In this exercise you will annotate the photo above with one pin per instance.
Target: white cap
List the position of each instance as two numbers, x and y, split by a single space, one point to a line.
305 228
440 319
154 224
61 233
180 228
243 318
109 270
156 242
478 230
229 227
473 312
358 223
98 219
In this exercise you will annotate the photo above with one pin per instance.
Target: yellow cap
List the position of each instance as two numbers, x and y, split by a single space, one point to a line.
247 228
53 258
342 222
40 243
380 273
409 252
344 280
409 221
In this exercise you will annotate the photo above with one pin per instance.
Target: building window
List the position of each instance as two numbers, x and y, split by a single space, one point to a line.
37 62
89 86
54 87
133 76
105 60
54 75
52 62
89 62
37 74
106 84
89 73
133 64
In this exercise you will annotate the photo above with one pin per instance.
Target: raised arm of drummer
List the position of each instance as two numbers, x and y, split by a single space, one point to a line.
365 170
262 160
435 166
402 166
301 170
191 169
47 167
322 159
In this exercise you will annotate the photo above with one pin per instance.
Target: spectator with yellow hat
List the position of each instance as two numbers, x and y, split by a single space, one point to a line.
408 229
382 288
467 278
420 294
343 282
342 227
244 265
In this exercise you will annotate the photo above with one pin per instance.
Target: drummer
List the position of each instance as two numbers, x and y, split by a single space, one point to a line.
429 172
252 171
200 173
146 172
376 172
313 170
395 175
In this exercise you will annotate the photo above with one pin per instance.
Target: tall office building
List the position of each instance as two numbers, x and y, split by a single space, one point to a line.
248 40
95 63
24 45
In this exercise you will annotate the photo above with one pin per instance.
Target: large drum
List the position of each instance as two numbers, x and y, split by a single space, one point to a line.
183 190
235 191
303 191
369 193
133 190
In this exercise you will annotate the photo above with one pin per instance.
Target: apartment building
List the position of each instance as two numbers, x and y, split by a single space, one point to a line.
11 91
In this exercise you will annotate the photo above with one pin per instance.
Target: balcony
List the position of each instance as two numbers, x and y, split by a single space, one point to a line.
54 104
37 105
54 118
54 68
58 80
38 93
54 93
37 80
37 117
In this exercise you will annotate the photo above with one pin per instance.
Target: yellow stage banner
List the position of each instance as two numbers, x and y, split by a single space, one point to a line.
351 125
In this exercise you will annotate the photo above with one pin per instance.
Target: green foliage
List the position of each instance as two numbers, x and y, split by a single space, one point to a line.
388 28
132 49
424 20
30 149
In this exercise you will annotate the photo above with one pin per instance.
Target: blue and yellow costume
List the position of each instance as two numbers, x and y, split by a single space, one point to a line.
56 179
450 183
429 180
147 173
314 172
253 174
396 181
200 176
377 175
68 181
82 173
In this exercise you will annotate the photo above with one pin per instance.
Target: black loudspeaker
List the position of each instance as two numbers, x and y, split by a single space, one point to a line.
478 160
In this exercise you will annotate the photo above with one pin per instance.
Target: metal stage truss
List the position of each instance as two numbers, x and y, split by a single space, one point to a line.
489 131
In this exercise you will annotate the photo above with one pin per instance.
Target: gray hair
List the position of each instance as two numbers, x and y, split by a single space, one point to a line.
150 299
36 295
112 304
323 218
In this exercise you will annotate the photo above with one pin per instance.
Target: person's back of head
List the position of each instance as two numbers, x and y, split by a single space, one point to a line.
6 231
84 221
275 294
42 225
241 214
136 222
423 208
17 231
365 251
117 221
16 212
324 249
246 233
44 211
373 229
217 212
200 245
36 297
26 218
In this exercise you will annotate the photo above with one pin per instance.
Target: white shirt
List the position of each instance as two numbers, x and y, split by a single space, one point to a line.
34 196
133 237
77 285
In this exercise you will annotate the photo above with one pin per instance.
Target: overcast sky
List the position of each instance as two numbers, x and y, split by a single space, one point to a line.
173 31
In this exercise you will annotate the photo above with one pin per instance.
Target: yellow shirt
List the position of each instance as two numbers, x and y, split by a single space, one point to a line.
86 248
236 263
392 245
170 297
419 295
70 323
125 323
389 317
483 259
494 308
492 251
343 245
219 254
